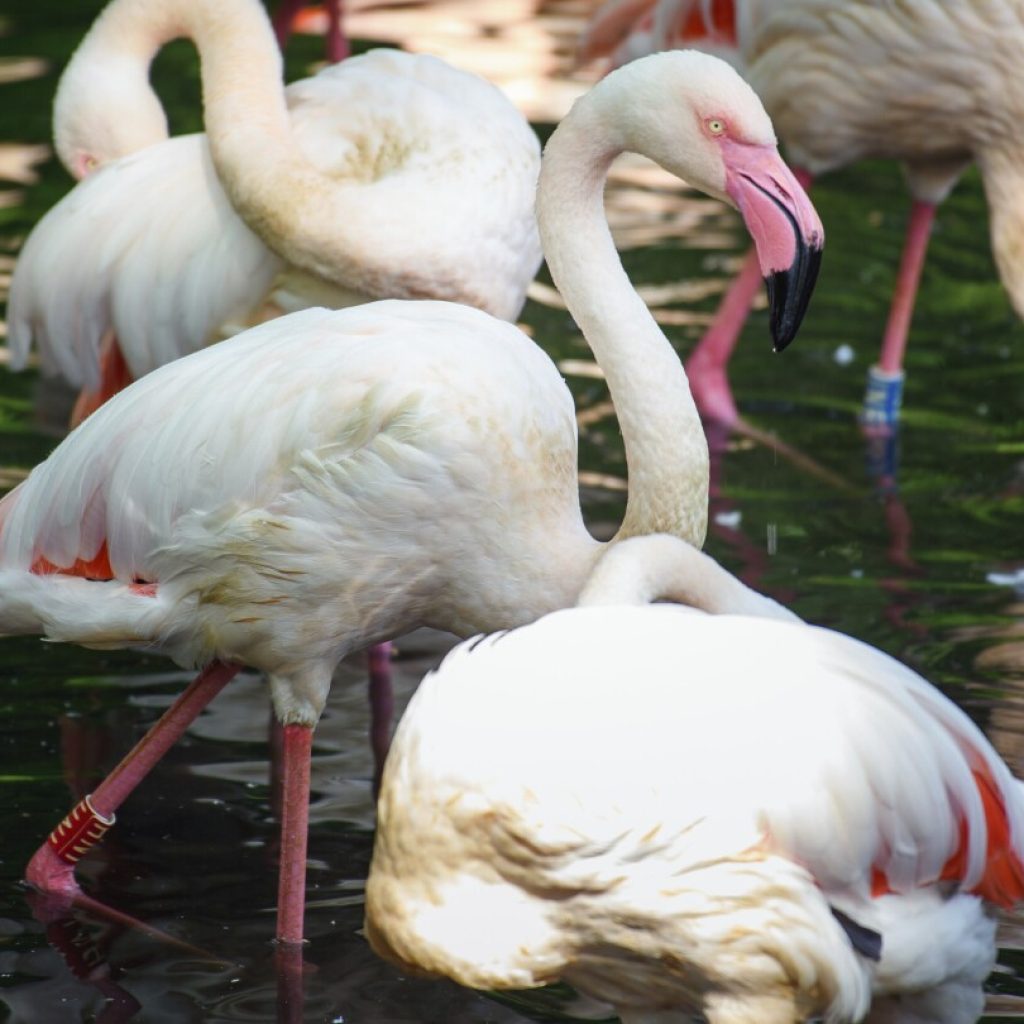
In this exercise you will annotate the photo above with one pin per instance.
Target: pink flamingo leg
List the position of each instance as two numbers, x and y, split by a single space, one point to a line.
885 381
915 247
290 994
284 18
291 893
337 41
382 707
52 867
708 363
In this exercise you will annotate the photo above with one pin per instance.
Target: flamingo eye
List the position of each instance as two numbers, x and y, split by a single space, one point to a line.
715 125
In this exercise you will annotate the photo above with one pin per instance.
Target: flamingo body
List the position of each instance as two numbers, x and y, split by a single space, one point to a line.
666 808
441 169
175 488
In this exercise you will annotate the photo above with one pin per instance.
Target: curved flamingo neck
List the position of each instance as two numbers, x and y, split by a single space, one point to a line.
243 93
666 450
659 567
291 205
105 107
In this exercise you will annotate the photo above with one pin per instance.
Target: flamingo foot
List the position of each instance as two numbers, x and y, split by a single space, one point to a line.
52 868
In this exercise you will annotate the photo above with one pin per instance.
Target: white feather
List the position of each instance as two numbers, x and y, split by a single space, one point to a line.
673 800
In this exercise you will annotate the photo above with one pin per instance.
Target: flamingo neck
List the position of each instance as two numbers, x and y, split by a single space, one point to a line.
659 567
291 205
243 94
105 107
666 450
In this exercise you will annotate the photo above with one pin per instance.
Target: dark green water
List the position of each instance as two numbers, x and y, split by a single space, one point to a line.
902 562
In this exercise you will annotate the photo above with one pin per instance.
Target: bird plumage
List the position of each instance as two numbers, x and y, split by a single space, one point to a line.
669 806
431 173
172 483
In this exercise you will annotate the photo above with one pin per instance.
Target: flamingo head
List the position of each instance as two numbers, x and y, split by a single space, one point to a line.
699 119
100 115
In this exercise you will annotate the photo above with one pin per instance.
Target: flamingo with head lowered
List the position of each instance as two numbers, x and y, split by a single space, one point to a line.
330 479
933 85
702 808
390 175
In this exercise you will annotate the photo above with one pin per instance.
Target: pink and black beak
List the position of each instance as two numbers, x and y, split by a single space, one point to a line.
785 227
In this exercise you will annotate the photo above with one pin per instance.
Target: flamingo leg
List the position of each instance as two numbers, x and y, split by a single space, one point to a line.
291 893
52 867
284 23
290 994
707 366
382 707
284 18
885 381
337 42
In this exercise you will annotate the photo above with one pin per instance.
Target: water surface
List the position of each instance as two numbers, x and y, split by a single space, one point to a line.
899 547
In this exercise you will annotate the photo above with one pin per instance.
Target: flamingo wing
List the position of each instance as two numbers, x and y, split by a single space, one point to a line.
255 420
783 737
443 170
148 248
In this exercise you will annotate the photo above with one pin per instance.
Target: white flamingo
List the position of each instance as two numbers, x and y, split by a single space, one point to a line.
933 84
390 175
352 474
710 809
105 107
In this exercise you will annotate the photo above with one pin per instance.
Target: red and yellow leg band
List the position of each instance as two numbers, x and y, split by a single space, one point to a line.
82 829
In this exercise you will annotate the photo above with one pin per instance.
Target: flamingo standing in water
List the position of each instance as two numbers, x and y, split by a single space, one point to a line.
105 107
330 479
389 175
711 809
933 84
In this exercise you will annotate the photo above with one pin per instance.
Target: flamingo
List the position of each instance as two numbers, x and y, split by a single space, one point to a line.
930 84
471 152
105 107
390 175
331 478
709 807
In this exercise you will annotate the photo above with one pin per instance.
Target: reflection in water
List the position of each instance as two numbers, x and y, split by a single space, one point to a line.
194 854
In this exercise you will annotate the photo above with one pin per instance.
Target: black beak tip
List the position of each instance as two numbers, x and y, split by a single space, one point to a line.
789 292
